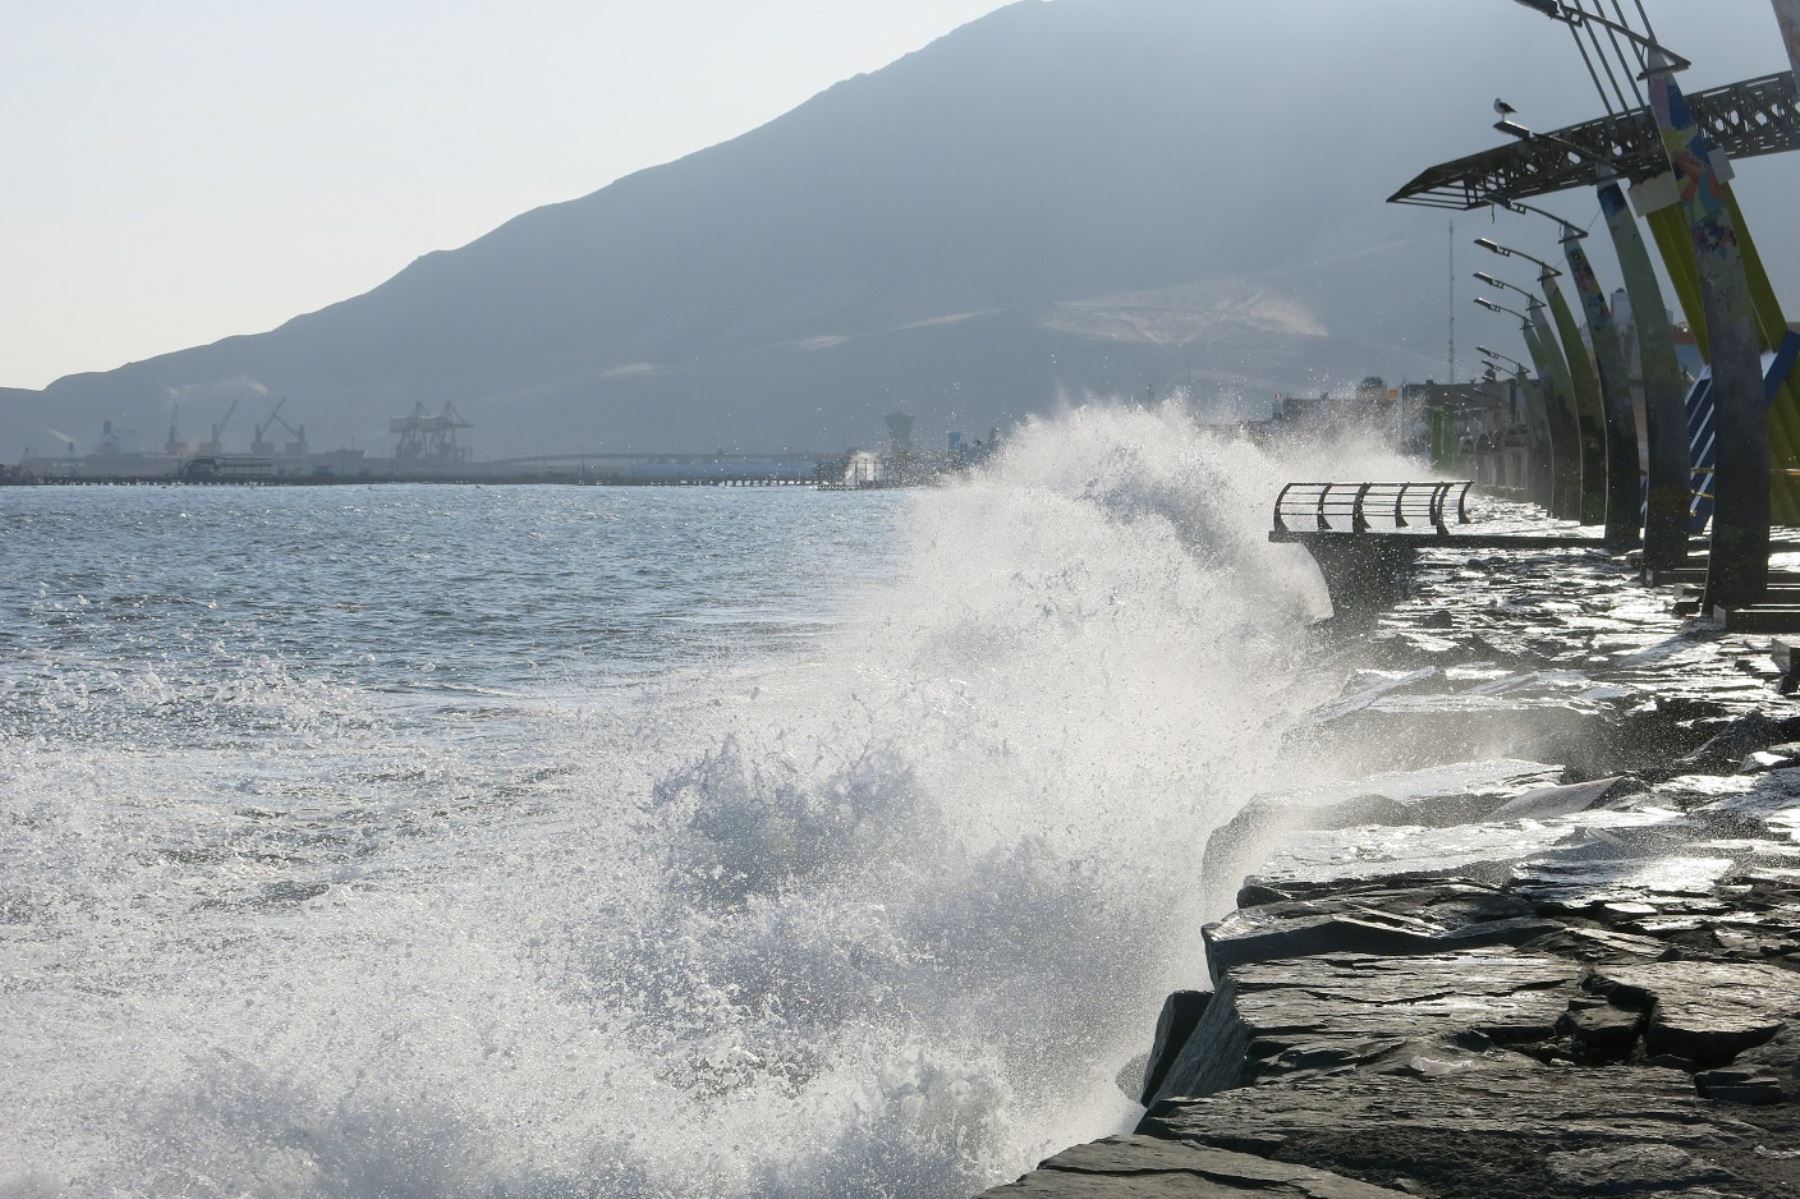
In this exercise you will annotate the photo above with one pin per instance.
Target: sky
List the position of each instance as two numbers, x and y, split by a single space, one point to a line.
176 172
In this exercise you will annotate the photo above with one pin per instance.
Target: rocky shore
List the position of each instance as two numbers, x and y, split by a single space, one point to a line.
1545 943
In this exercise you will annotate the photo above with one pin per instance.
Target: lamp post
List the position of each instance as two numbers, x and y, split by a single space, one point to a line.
1542 422
1668 481
1584 385
1497 356
1624 487
1669 485
1564 501
1737 570
1531 297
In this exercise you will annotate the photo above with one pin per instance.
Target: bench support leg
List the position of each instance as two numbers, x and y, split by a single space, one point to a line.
1363 577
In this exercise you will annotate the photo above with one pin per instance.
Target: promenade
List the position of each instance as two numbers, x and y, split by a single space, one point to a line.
1542 938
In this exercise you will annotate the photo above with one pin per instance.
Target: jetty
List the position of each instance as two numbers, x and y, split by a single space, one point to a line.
1539 936
1530 926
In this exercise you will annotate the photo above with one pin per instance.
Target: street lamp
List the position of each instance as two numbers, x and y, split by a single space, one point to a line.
1665 418
1570 230
1738 564
1531 299
1555 430
1491 306
1494 247
1624 502
1501 357
1577 381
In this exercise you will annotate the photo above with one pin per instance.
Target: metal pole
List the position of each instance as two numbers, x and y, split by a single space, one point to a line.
1737 570
1586 392
1665 417
1565 425
1624 499
1538 438
1561 464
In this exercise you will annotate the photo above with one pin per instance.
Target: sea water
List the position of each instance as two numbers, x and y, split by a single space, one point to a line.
414 841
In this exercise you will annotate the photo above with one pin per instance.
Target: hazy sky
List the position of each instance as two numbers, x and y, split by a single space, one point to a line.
175 172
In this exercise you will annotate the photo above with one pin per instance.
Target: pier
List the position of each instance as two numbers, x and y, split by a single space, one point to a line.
427 451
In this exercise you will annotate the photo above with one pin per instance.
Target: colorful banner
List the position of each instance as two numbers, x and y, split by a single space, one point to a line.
1666 470
1738 566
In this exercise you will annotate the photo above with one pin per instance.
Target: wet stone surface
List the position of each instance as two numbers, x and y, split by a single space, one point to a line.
1545 943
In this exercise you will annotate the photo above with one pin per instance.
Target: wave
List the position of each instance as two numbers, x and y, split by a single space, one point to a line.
884 916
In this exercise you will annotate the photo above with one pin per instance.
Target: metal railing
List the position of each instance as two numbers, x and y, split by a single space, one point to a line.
1357 507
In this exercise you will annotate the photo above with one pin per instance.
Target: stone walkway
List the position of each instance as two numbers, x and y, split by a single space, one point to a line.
1548 945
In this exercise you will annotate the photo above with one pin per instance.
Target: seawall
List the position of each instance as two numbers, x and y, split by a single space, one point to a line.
1545 943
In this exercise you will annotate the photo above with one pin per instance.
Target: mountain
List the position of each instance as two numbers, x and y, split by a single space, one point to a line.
1062 197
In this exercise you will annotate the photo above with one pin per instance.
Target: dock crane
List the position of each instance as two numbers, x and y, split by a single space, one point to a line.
260 445
174 446
428 438
214 446
296 447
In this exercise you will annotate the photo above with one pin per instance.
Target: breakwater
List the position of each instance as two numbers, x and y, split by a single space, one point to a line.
1542 938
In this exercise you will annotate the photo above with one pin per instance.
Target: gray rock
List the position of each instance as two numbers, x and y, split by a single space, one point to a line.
1130 1078
1740 737
1706 1012
1601 1031
1139 1166
1372 919
1501 1127
1740 1086
1288 1018
1776 757
1181 1012
1438 797
1562 801
1623 1169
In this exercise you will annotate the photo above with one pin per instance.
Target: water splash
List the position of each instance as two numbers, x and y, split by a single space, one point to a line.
880 912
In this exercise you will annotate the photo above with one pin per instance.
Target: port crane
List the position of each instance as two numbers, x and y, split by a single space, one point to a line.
259 441
214 446
424 437
298 445
262 447
174 446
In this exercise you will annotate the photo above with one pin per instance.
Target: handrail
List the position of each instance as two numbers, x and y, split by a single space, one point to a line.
1362 504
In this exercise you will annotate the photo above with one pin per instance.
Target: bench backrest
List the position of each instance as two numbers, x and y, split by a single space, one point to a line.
1359 507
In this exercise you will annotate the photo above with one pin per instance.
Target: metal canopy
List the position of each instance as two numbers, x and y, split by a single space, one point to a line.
1747 119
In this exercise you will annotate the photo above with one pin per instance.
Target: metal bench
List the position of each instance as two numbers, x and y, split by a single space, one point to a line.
1361 507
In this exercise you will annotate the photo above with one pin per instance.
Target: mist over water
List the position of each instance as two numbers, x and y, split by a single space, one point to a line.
544 842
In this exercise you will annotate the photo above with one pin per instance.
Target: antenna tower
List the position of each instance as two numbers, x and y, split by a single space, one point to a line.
1452 378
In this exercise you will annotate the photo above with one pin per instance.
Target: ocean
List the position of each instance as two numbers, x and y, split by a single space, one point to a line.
549 841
